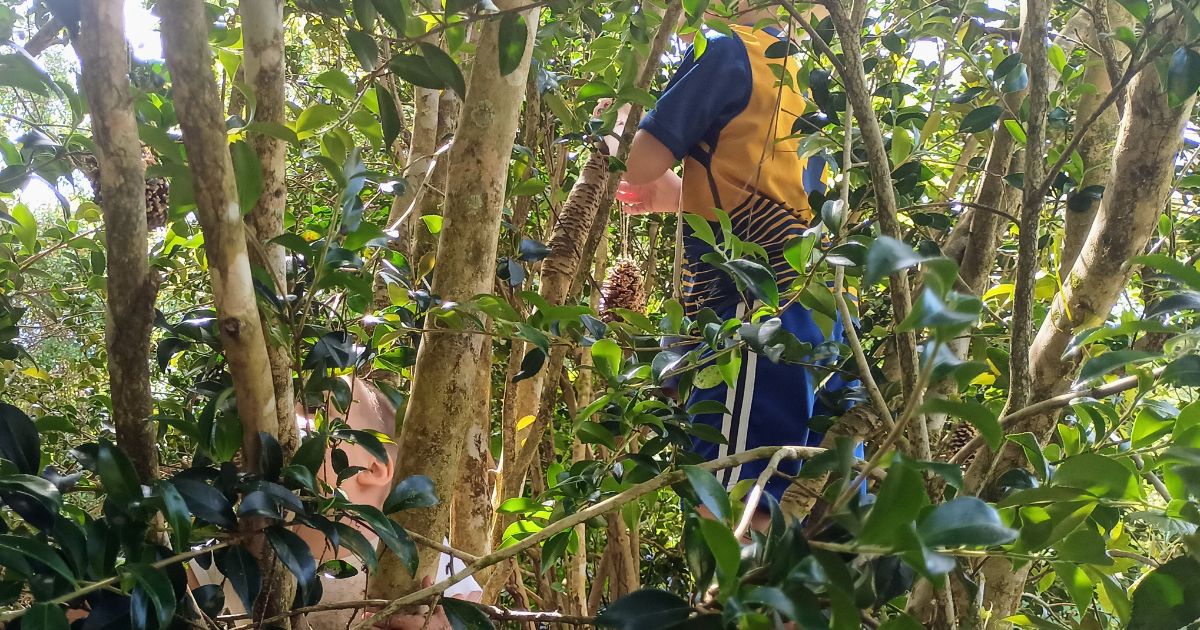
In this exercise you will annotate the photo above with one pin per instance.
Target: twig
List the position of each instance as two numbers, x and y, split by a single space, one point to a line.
839 281
495 612
909 412
1056 402
581 516
964 204
107 582
756 493
1150 562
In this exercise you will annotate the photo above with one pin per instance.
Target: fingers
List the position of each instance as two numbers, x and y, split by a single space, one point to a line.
602 105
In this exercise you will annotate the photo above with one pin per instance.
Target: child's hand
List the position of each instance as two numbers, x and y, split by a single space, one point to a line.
660 195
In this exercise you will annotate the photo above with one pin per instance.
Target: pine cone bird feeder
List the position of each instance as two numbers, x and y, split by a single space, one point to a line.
158 190
622 289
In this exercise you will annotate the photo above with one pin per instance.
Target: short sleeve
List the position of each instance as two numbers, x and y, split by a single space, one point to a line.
703 96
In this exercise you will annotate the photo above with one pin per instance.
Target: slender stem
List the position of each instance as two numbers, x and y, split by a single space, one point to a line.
608 505
107 582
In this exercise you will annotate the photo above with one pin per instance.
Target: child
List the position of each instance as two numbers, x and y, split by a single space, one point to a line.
726 116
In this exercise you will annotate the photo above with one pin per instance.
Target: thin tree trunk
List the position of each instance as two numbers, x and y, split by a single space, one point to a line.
1035 15
185 34
446 371
1149 139
1096 146
262 36
849 31
185 37
471 522
131 285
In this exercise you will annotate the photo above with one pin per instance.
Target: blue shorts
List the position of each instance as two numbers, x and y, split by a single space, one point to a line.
771 405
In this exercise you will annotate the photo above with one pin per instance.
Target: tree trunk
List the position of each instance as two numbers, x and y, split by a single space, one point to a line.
262 36
471 522
446 371
185 34
131 285
1035 14
185 38
1149 139
1096 146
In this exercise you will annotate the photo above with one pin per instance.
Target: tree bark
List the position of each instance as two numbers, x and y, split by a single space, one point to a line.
1149 139
185 37
859 94
262 36
131 285
1035 15
446 371
471 522
1097 144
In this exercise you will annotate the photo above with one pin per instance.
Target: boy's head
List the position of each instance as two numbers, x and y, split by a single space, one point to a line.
369 410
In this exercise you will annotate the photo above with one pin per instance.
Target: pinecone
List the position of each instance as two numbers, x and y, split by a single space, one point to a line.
962 434
622 289
158 190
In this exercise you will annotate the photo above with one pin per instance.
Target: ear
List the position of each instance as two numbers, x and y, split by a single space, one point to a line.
378 473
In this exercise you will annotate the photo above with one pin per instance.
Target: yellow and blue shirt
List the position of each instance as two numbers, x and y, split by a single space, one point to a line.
729 119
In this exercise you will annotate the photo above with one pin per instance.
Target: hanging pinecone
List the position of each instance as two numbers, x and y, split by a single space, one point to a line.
158 190
962 434
622 289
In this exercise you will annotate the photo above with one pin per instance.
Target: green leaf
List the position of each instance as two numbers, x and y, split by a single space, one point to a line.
1139 9
902 145
514 37
249 174
647 609
358 544
464 615
1015 130
1007 65
1182 301
1183 272
756 278
606 356
176 512
36 550
1183 76
901 498
1084 546
1017 80
117 474
980 417
887 256
314 118
389 116
368 440
444 68
22 72
725 550
415 69
411 493
240 568
294 553
433 222
156 586
712 494
901 622
965 522
205 501
1076 583
20 442
333 350
1033 451
1057 57
798 251
1166 598
364 14
701 228
531 364
45 616
1099 475
594 90
394 12
364 47
1109 361
980 119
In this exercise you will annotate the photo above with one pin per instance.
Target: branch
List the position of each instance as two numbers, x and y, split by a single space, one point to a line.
1056 402
495 612
608 505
